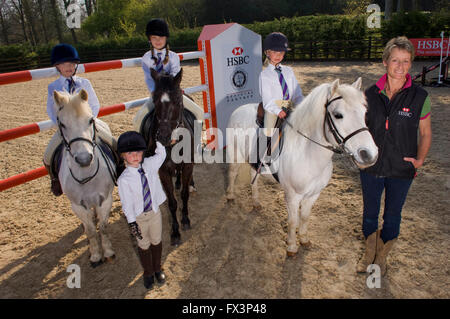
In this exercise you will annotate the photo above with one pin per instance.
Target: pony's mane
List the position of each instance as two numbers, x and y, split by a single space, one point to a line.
312 109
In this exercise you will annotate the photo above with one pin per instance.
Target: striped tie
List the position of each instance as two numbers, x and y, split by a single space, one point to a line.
159 64
145 191
70 86
283 83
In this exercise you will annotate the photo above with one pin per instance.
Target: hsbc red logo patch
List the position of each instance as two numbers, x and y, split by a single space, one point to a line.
237 51
405 111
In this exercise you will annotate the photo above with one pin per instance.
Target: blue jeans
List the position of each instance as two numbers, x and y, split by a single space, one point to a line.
396 190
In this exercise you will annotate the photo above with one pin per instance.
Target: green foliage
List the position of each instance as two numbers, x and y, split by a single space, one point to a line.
416 25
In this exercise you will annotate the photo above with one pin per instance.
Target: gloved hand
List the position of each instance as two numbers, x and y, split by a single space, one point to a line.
135 231
283 103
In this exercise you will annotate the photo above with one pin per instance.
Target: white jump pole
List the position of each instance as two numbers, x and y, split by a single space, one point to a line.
440 62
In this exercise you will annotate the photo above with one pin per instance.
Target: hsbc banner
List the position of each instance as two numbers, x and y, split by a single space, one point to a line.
236 62
430 46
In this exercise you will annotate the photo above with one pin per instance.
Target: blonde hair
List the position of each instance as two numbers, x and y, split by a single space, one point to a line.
401 43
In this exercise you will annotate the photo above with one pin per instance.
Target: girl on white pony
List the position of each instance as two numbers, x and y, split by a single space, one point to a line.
65 58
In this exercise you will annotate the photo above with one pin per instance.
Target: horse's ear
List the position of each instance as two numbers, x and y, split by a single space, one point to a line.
178 78
357 83
334 87
60 98
83 95
154 74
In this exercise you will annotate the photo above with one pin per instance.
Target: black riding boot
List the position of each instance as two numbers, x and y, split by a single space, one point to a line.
145 255
55 184
156 257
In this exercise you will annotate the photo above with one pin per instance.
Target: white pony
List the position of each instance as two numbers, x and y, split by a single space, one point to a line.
304 167
85 174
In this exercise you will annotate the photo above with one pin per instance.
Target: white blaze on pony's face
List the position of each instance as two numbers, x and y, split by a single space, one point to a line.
348 115
76 121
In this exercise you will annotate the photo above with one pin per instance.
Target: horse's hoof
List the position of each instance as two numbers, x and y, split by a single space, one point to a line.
192 189
95 264
291 254
110 259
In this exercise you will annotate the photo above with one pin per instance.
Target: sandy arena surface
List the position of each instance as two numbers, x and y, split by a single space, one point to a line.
231 250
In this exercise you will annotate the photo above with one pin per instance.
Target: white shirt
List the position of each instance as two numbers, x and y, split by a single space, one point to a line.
130 185
61 84
270 87
172 67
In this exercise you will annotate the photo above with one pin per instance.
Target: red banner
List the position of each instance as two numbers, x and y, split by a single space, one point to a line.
429 47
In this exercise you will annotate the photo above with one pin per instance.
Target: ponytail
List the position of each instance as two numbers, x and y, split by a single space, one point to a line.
166 58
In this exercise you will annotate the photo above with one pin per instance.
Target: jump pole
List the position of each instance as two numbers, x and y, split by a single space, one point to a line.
29 75
440 62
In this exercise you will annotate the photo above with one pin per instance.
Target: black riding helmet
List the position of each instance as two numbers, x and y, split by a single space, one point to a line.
131 141
276 41
64 53
157 27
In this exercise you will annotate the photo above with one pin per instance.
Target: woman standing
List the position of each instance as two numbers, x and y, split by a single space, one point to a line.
397 109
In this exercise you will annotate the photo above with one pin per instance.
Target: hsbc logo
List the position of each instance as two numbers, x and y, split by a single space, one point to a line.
237 51
405 111
238 57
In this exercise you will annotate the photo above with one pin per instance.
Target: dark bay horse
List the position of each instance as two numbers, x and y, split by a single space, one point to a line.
169 115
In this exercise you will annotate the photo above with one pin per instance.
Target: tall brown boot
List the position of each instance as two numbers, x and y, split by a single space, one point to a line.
383 249
145 256
156 256
369 256
55 184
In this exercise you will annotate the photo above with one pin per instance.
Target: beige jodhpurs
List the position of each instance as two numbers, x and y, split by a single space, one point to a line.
150 224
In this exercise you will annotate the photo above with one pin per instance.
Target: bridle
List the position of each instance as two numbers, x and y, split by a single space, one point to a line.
340 140
179 122
67 145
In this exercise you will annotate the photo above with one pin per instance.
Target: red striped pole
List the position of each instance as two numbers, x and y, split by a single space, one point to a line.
22 178
29 75
19 132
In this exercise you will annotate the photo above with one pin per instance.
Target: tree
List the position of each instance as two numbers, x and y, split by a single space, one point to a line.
5 28
400 5
388 9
